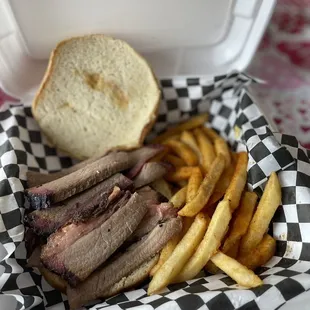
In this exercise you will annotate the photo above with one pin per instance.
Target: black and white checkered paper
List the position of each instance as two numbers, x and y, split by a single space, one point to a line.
235 115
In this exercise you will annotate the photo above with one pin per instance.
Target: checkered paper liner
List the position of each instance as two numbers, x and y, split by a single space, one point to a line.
235 115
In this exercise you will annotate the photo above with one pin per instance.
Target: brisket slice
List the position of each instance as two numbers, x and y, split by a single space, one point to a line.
86 254
100 281
64 237
150 172
156 214
79 207
143 155
36 178
77 181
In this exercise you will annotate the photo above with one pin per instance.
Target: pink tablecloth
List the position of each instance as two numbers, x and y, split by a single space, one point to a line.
283 60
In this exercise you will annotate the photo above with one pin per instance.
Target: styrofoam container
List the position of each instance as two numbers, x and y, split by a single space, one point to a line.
177 37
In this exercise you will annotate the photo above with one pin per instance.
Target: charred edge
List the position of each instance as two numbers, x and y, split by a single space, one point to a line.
39 199
71 278
60 269
41 226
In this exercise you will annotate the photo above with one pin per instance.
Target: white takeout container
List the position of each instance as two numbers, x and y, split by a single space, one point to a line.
177 37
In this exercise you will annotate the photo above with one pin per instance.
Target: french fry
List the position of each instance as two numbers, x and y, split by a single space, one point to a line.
187 125
221 147
241 220
172 243
211 268
183 151
241 274
166 252
188 138
161 155
260 255
237 184
162 187
266 209
180 173
222 185
211 133
206 149
233 250
181 183
174 160
209 244
194 183
179 198
206 189
183 251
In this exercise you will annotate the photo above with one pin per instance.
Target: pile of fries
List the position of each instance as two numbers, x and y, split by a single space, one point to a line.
224 229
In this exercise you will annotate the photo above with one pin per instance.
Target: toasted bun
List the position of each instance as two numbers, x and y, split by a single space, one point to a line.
131 281
54 280
98 94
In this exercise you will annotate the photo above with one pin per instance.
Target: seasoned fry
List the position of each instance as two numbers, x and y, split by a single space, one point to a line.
260 255
206 149
237 184
162 187
221 147
180 173
174 160
206 188
183 151
241 220
172 243
211 133
188 138
267 206
187 125
183 251
194 183
241 274
209 244
179 198
222 184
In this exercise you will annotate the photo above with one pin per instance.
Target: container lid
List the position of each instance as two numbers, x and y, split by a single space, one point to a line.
177 37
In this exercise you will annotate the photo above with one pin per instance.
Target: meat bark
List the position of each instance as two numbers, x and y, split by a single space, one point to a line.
80 259
100 281
79 207
77 181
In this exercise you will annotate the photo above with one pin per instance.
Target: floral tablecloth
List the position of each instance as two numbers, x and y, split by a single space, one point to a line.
283 60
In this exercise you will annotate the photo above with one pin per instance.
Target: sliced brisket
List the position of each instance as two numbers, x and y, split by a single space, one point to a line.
64 237
36 178
156 214
86 254
79 207
78 181
100 281
150 172
142 155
